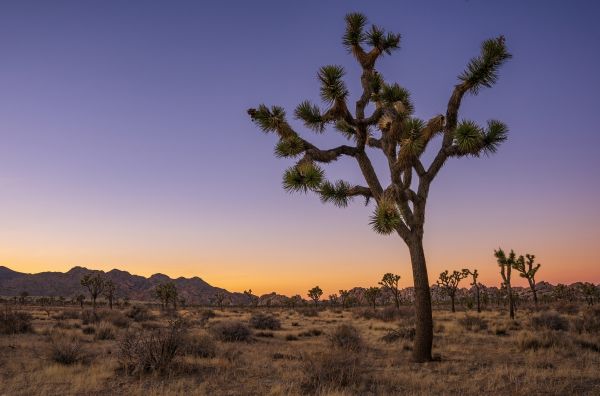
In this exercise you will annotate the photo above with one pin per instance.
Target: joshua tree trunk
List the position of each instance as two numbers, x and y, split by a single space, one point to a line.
534 292
478 299
424 320
511 305
452 300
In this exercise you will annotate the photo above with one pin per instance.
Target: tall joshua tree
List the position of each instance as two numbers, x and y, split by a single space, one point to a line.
371 295
475 275
390 282
109 292
94 283
344 294
527 268
506 264
315 294
449 283
393 131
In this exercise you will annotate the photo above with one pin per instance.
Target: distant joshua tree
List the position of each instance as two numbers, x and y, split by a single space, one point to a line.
315 294
253 299
344 294
218 299
371 295
109 292
167 294
95 284
527 270
398 136
390 282
449 283
506 263
295 300
80 299
23 297
475 275
333 299
590 292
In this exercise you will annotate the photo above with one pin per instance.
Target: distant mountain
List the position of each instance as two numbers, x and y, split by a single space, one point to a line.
133 287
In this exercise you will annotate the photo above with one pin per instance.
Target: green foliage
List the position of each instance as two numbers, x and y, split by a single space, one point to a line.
385 218
355 24
311 115
377 38
332 86
494 136
303 177
289 147
482 71
345 128
389 94
269 120
336 193
469 137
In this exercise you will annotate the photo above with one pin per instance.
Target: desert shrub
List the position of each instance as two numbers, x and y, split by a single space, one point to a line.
207 314
388 314
588 343
542 340
262 321
203 346
88 317
473 323
153 350
310 312
333 370
117 318
588 321
265 334
291 337
310 333
295 324
402 333
104 331
365 313
65 349
231 331
88 330
549 320
346 336
139 313
567 308
67 314
15 322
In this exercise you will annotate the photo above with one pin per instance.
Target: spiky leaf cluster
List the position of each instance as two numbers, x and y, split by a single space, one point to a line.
391 94
482 71
332 86
385 218
268 119
289 147
346 129
355 24
336 193
375 37
471 139
311 115
303 177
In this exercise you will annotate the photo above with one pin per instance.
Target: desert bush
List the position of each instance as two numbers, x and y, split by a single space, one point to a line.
88 317
588 321
153 350
104 331
567 308
207 314
67 314
88 330
310 333
117 318
346 336
15 322
549 320
402 333
308 311
65 349
542 340
291 337
265 334
139 313
203 346
231 331
473 323
333 370
262 321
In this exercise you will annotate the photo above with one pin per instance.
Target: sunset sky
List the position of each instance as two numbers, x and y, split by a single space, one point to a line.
125 143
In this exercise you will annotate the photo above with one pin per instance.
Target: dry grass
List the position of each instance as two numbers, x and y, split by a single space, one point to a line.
480 354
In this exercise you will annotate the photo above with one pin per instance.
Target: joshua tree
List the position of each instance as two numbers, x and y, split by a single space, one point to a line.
390 282
167 293
94 283
333 299
295 300
23 297
371 295
218 299
397 135
449 283
253 299
475 275
80 299
344 294
506 263
527 270
590 292
109 292
315 294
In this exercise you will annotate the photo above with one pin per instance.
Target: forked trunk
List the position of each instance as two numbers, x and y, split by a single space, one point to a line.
423 321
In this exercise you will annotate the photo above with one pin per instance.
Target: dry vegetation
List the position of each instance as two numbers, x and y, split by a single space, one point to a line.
555 350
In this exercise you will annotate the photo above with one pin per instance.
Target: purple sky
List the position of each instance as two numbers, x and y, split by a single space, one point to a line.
124 140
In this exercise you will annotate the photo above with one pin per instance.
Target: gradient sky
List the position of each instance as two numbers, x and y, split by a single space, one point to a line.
124 140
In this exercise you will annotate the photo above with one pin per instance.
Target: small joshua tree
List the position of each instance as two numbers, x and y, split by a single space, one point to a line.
109 292
80 299
251 297
167 294
475 275
590 292
390 282
506 264
527 268
344 294
315 294
218 299
371 295
449 283
333 299
397 135
95 284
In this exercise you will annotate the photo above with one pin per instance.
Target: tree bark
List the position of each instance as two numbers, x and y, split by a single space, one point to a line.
478 300
452 299
511 305
424 320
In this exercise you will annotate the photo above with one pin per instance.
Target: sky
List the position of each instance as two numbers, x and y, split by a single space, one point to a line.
125 143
